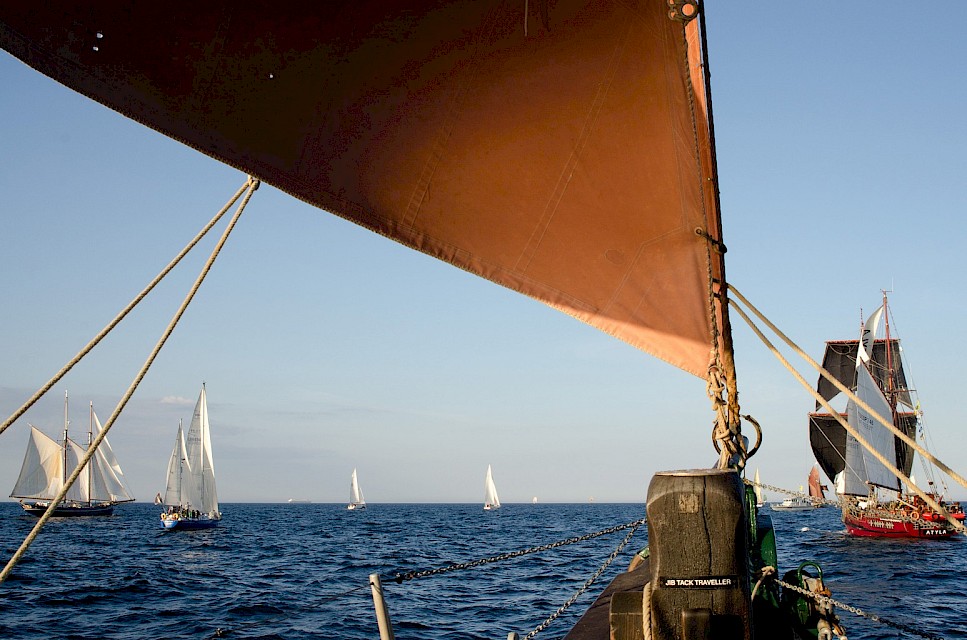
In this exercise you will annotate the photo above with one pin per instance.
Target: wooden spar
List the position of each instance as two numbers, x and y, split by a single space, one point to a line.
382 612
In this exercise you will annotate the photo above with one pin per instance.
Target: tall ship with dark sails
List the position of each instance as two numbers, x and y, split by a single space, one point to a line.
871 495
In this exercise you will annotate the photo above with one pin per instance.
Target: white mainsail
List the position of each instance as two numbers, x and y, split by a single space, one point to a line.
42 473
107 479
759 495
356 498
178 490
862 468
198 450
491 501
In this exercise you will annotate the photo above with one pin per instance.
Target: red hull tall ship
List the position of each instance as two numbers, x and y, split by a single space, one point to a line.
872 499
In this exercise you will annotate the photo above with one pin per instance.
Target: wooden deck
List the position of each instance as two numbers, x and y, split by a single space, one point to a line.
595 624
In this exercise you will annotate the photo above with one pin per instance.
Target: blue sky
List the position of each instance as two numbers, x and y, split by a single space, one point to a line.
325 347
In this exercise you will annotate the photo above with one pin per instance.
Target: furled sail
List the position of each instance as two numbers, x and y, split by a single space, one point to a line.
563 150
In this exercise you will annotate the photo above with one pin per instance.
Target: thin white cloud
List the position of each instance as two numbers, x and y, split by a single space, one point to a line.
176 400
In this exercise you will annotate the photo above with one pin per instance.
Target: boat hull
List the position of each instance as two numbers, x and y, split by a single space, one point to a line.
877 526
188 524
68 511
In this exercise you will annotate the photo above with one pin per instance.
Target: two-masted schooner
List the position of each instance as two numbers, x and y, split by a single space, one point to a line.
48 463
873 501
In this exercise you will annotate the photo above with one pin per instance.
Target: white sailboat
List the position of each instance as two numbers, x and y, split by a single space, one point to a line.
356 499
48 463
491 501
760 498
190 495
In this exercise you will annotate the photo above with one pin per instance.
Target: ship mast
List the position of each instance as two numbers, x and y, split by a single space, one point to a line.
891 390
90 467
64 452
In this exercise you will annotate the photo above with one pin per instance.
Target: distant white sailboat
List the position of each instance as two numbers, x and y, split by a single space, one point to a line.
356 499
760 498
491 501
190 494
48 463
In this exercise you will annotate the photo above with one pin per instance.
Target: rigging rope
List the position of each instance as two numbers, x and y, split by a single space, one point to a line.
849 429
137 299
250 187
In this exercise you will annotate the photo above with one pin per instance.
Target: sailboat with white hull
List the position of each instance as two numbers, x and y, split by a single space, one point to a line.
190 498
48 463
356 500
873 369
491 501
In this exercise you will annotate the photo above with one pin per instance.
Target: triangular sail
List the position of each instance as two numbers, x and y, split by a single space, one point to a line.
355 493
607 211
42 472
80 491
490 490
815 487
759 494
179 488
198 448
861 466
107 479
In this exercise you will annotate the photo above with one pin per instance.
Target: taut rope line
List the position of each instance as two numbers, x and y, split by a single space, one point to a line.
93 343
839 385
251 186
849 429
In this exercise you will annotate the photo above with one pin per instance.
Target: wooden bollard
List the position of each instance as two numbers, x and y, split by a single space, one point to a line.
699 556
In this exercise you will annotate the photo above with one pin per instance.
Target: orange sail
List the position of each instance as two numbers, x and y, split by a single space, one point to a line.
816 490
560 149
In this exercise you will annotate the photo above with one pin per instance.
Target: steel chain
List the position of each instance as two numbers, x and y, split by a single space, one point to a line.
870 616
401 577
798 494
590 581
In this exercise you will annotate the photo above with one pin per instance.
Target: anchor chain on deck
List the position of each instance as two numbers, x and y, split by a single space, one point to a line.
821 599
399 578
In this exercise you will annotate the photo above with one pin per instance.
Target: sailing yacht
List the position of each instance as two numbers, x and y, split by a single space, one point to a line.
491 501
873 369
190 500
760 498
48 463
356 499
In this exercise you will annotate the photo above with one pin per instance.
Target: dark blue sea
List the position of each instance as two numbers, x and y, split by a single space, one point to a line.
301 571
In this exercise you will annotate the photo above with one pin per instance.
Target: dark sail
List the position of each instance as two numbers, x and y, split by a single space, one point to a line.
840 360
826 436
